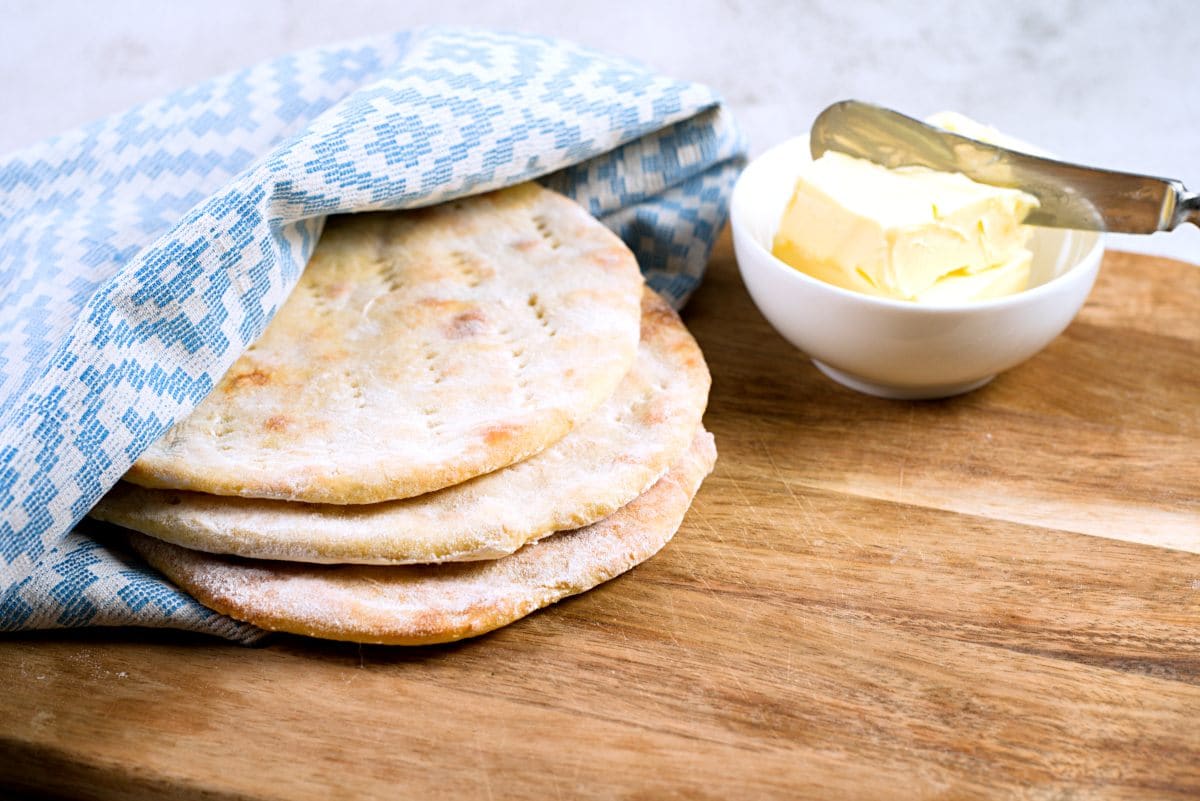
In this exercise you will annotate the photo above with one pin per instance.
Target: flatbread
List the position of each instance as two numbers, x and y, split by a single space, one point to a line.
603 464
420 604
419 349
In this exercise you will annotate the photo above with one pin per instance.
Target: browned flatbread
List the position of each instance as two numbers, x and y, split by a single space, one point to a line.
603 464
415 605
419 349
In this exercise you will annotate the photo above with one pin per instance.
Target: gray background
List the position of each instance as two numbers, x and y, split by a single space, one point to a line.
1102 82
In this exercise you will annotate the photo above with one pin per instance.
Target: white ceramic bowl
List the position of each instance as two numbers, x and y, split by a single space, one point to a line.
897 349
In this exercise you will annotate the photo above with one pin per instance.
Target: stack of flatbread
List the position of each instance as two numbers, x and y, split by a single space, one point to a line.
461 414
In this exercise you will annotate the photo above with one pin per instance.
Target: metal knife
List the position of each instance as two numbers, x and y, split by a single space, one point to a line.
1071 195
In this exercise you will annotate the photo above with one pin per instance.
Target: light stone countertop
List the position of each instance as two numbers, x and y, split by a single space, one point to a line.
1101 82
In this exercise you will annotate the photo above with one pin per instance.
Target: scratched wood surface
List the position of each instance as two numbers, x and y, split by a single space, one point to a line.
869 599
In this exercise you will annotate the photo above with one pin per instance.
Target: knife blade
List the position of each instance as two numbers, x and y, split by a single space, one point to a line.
1071 195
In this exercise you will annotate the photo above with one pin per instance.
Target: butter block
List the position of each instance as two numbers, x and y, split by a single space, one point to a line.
994 282
897 233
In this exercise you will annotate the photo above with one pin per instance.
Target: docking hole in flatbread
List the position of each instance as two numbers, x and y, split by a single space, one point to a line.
420 604
418 350
601 465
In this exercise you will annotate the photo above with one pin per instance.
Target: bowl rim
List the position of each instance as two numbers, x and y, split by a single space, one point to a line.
1094 254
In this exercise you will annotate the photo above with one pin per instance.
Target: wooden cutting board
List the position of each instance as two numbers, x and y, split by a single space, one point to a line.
869 599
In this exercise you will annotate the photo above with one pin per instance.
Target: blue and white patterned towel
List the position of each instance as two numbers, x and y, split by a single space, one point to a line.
141 254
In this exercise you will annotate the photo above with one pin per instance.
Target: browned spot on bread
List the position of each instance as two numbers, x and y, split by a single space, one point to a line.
497 434
437 303
254 378
654 413
336 291
276 422
610 258
656 312
467 324
525 245
334 356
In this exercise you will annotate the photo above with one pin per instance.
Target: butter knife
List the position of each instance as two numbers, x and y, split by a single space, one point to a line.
1071 195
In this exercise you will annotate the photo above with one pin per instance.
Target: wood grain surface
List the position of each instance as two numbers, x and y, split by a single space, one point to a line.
869 599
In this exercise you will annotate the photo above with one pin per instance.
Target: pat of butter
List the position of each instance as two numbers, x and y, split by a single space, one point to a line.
960 124
910 234
994 282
